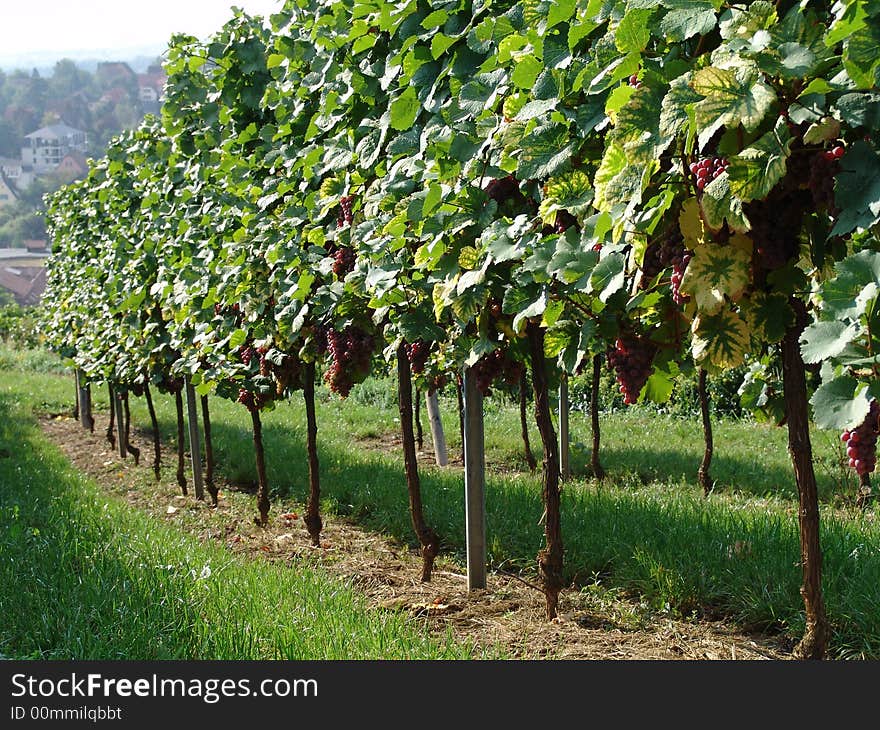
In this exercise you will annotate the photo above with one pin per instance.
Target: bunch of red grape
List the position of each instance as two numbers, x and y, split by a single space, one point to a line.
824 167
668 251
346 211
861 442
343 261
776 224
418 353
497 364
503 188
707 169
634 81
350 351
246 398
631 359
246 354
564 221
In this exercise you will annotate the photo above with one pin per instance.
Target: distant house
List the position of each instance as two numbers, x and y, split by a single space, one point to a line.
114 73
74 166
36 246
8 193
26 284
19 174
151 89
45 148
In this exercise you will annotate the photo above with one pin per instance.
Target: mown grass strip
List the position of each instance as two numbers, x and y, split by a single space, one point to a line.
83 576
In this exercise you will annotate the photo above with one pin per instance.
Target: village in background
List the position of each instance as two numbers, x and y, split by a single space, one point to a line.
50 125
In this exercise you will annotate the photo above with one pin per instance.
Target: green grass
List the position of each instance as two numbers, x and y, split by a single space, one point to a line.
83 576
647 530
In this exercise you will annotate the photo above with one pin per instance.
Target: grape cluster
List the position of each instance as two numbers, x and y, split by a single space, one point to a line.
503 188
264 362
707 169
246 354
861 442
668 251
350 351
246 398
346 211
678 269
631 359
343 261
634 81
417 353
564 221
776 224
497 364
824 166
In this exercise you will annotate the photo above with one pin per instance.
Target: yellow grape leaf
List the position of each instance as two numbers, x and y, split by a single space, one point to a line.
718 271
720 340
691 224
469 258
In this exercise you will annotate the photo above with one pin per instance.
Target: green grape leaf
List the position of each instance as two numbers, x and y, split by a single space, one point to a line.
608 276
732 96
571 191
770 316
638 125
857 189
825 340
840 403
633 31
720 340
682 23
719 204
716 272
674 117
755 171
659 387
828 128
543 153
860 57
404 109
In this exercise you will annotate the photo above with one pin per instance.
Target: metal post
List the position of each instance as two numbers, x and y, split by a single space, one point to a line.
438 437
120 422
195 442
564 454
84 398
474 482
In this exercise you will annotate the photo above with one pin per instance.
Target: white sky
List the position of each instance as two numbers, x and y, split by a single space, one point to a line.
47 30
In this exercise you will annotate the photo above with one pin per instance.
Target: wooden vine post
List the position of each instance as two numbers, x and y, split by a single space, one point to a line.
438 437
474 482
427 537
84 403
157 440
195 441
550 557
209 452
814 643
703 475
564 439
312 518
595 464
120 423
178 404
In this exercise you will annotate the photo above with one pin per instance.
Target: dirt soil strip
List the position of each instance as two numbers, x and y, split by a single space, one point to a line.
510 615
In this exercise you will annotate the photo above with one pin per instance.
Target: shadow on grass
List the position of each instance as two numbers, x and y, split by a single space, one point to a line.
715 557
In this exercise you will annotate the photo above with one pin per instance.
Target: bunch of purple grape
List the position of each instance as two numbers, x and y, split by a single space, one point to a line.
861 442
631 359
